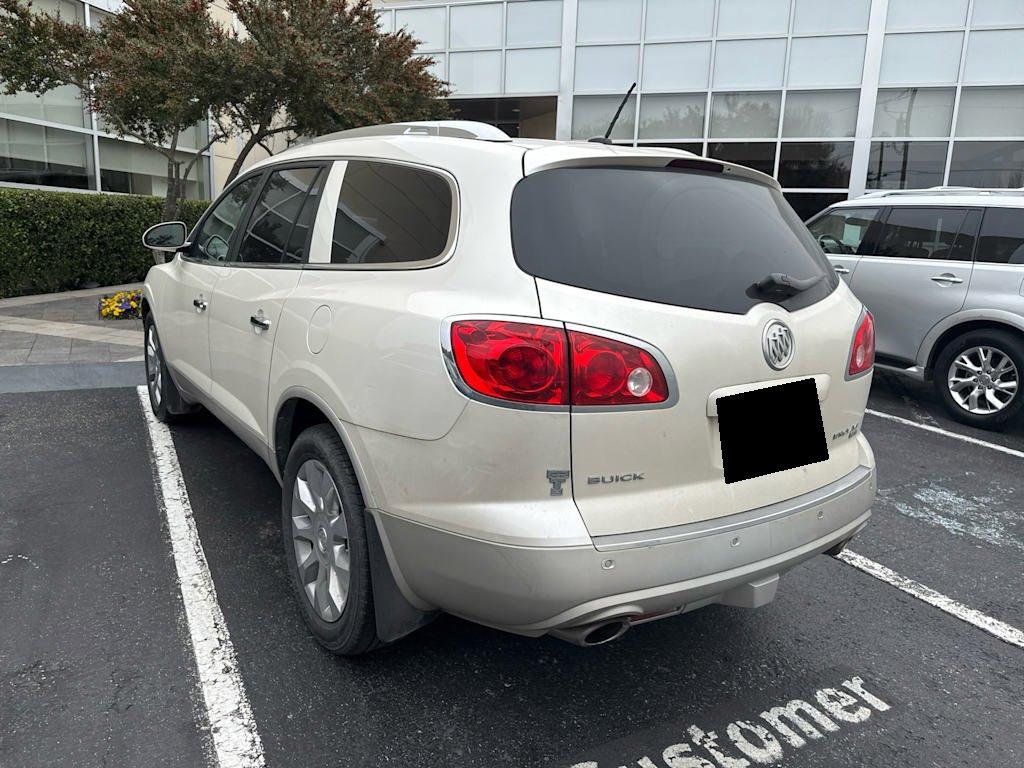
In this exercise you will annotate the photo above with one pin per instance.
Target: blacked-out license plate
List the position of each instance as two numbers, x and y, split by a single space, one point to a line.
770 430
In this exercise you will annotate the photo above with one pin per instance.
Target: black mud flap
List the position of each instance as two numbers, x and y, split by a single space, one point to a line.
396 616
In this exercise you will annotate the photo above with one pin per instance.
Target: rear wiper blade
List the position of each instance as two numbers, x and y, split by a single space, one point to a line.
777 281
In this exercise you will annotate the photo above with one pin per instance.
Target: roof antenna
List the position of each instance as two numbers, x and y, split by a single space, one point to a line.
607 134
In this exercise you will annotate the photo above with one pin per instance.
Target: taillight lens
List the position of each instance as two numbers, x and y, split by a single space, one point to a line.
521 362
527 363
610 372
862 353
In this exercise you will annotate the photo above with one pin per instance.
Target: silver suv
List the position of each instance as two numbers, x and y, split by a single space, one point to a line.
942 271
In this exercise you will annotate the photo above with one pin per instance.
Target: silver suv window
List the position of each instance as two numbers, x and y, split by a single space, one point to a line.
1002 236
844 231
926 233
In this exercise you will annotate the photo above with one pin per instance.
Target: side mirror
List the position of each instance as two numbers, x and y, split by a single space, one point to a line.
168 236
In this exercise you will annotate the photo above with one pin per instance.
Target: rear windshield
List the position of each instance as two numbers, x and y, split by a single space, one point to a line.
686 238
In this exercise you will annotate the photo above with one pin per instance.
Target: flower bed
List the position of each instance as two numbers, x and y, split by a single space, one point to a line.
123 305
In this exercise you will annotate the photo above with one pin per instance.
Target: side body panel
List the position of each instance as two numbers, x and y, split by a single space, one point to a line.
368 343
240 352
906 301
173 289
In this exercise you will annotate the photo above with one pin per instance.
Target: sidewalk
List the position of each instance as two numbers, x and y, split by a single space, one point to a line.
58 341
65 328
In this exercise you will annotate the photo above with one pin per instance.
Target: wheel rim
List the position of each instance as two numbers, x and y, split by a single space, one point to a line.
983 380
154 369
320 540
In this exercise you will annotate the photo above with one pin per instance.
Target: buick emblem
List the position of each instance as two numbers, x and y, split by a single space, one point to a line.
777 344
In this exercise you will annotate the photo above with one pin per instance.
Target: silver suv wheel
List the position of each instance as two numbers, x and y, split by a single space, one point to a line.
983 380
320 540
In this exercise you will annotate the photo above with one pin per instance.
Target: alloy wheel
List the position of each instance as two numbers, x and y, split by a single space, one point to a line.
154 367
320 540
983 380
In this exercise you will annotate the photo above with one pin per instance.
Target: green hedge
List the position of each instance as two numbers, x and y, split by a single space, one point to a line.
52 241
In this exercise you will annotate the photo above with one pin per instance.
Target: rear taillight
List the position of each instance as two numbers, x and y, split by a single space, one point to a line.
521 362
610 372
862 353
543 365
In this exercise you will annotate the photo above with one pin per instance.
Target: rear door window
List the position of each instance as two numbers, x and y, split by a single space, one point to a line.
681 237
844 231
1002 236
391 214
924 233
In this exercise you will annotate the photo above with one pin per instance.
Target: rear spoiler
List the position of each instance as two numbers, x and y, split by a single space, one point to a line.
585 154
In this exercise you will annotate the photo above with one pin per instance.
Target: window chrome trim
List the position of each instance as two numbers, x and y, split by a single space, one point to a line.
403 266
472 394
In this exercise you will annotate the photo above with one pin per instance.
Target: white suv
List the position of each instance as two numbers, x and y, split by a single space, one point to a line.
553 388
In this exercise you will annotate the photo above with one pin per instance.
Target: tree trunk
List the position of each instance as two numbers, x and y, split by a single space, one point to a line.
250 145
170 209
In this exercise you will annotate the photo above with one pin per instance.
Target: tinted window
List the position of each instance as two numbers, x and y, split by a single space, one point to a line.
213 239
277 209
843 231
806 204
1002 236
677 237
906 164
389 214
923 233
757 155
815 164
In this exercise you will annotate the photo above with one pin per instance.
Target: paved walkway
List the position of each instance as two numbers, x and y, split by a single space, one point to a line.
65 328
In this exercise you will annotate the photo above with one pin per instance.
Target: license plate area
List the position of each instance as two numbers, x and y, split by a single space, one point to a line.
770 430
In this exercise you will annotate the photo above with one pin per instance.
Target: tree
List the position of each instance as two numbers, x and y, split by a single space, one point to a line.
151 72
308 67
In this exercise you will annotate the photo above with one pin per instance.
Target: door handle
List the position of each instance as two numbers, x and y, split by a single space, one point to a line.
259 322
946 278
200 303
841 270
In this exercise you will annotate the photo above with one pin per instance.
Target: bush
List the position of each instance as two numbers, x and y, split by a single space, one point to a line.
52 241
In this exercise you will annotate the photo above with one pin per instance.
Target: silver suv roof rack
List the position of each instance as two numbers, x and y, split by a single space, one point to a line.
456 129
947 191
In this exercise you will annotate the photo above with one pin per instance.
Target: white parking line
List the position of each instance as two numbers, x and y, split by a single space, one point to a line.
996 628
236 743
947 433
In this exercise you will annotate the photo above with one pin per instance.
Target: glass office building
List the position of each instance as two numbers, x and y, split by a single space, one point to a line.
832 97
53 142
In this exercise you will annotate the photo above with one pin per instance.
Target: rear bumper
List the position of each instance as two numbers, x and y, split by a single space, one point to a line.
531 590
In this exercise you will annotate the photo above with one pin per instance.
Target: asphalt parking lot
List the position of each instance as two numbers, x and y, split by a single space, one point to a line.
97 666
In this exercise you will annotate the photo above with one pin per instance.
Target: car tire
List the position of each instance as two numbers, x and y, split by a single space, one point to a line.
317 545
967 349
164 398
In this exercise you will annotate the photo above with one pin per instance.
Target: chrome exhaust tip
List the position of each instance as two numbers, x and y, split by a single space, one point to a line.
598 633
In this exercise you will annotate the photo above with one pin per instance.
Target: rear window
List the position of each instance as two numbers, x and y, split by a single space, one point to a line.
685 238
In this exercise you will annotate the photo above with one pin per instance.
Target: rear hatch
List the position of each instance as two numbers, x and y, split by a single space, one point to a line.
670 256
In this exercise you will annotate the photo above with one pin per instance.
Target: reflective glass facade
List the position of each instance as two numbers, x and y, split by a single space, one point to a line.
832 97
52 141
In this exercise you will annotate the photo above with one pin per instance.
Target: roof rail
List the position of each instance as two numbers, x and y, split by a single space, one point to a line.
456 129
1017 192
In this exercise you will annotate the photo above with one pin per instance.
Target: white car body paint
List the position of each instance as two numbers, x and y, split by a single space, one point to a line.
232 728
460 488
